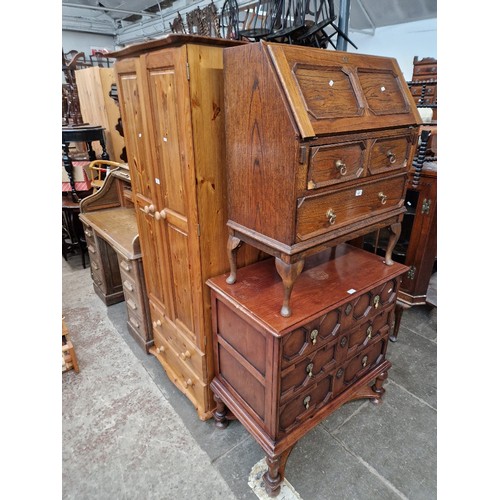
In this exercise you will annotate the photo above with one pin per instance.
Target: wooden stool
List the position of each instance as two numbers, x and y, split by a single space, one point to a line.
69 361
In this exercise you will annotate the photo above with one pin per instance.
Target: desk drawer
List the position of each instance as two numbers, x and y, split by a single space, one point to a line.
320 214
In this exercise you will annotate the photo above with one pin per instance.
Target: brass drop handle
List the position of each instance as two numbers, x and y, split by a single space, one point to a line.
184 355
376 301
157 324
369 331
364 361
331 216
309 369
391 156
306 402
188 383
341 167
314 336
160 349
382 197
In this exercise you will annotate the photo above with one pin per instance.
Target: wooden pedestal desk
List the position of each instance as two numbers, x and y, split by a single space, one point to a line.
110 228
281 376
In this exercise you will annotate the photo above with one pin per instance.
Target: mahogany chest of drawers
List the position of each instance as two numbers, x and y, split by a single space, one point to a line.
319 144
281 376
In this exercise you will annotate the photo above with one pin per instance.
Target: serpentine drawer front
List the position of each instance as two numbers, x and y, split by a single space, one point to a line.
282 376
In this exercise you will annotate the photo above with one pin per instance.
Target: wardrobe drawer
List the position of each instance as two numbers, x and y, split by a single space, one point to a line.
323 213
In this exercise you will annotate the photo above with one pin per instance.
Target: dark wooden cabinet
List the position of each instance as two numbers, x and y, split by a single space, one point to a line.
116 266
282 376
319 145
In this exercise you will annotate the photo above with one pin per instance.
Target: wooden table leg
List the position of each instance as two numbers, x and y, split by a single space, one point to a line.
275 473
289 273
233 244
395 232
398 313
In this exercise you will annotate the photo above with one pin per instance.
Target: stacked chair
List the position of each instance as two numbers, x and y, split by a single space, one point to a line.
296 22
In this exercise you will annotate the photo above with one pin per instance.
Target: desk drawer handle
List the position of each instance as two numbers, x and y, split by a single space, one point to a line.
131 304
160 349
149 209
157 324
125 265
341 167
343 341
364 361
128 286
391 156
134 323
188 383
94 266
91 248
88 233
309 369
331 216
376 301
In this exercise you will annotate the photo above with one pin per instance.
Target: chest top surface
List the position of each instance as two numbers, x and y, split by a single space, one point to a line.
329 279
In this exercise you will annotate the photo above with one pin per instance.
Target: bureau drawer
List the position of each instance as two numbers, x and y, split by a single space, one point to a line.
390 154
322 213
303 340
368 305
308 370
334 163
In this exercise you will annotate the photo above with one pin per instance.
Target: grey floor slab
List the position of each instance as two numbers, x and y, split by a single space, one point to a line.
414 365
397 439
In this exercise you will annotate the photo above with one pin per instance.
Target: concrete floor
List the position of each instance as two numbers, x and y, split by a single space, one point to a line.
128 433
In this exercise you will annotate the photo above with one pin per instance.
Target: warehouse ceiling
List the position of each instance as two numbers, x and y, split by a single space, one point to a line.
114 17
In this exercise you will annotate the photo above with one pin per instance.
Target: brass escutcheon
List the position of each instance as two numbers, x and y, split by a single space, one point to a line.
314 336
309 369
348 309
330 215
369 332
391 156
376 301
382 197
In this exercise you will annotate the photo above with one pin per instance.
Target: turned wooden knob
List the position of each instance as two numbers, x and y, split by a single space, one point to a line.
184 355
157 323
160 349
163 214
188 383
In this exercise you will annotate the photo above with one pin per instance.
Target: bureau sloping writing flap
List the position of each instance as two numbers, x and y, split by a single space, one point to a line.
331 91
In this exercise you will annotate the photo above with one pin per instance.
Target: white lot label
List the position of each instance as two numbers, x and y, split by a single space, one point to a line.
359 192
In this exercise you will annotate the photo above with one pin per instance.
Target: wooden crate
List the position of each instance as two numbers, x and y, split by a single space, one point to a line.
98 108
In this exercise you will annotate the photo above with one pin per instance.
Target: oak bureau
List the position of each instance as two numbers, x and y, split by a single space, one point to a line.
319 144
281 376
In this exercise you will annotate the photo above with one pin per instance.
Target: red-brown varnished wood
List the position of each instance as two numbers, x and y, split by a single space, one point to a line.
282 376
